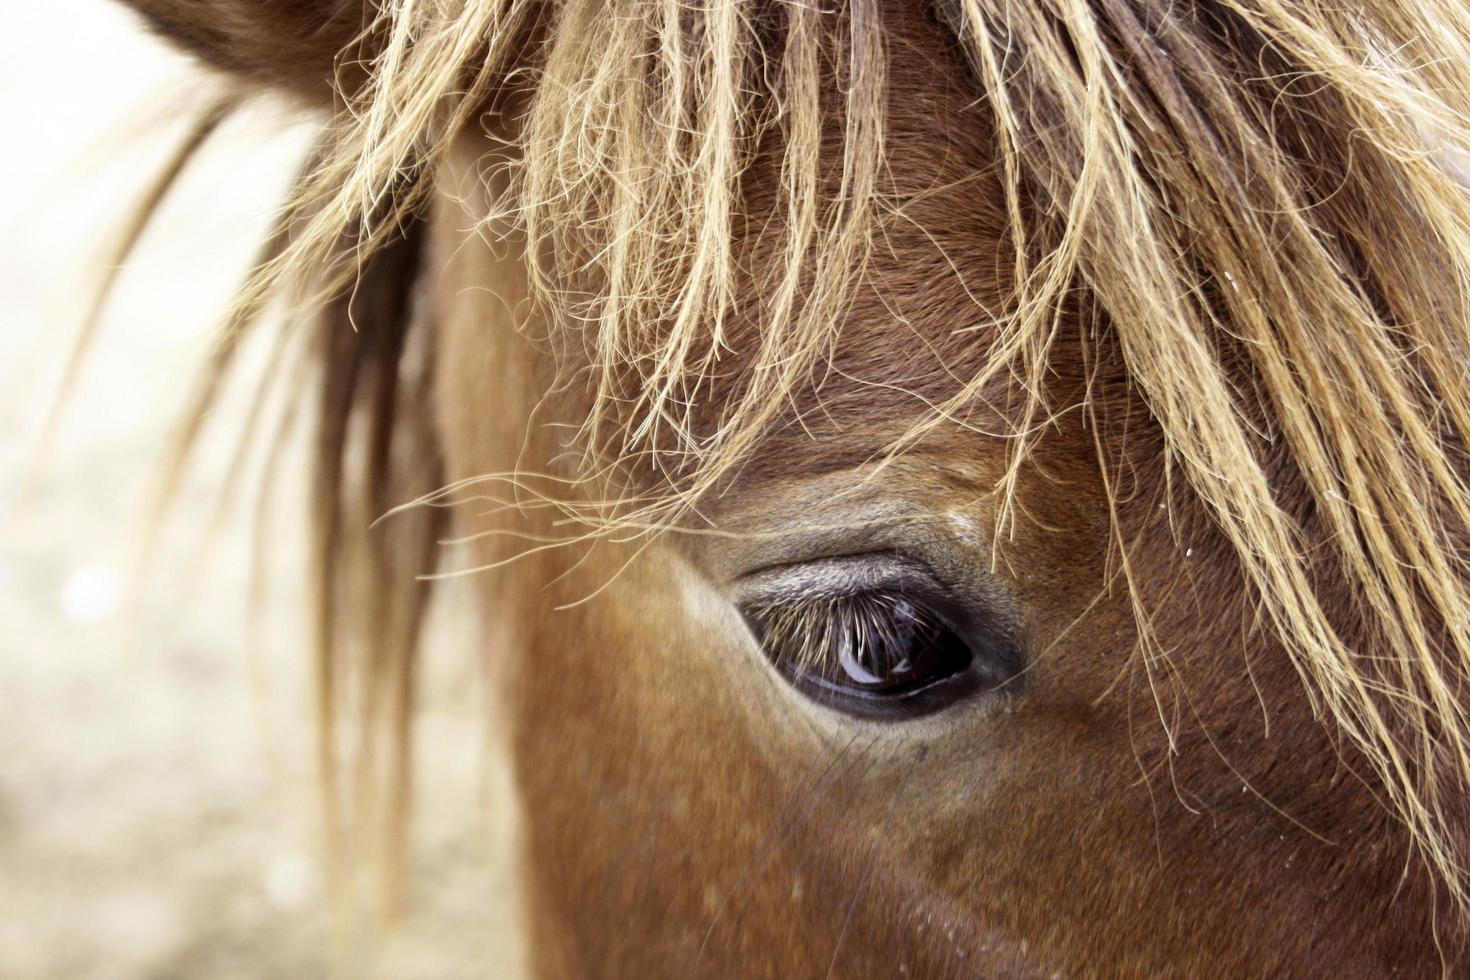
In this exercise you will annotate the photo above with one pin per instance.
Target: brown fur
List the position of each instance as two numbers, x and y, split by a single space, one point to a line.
301 45
1168 805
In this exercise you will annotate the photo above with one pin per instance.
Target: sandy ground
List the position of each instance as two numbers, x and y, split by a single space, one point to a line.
156 809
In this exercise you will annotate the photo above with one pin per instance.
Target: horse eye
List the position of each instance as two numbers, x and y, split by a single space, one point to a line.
880 650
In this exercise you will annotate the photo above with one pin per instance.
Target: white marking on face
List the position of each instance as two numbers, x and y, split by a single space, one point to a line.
965 528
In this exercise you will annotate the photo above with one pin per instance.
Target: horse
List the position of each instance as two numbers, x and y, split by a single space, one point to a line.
949 487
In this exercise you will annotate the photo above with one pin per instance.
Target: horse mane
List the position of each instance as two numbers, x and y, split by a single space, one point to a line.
1263 200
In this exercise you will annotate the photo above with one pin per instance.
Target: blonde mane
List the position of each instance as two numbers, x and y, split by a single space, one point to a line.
1261 199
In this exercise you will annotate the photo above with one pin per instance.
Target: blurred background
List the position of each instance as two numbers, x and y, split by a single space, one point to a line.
157 816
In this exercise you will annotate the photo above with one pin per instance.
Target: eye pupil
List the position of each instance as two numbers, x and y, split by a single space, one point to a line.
868 652
881 651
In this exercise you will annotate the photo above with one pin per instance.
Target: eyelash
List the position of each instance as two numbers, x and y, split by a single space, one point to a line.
810 637
879 635
880 653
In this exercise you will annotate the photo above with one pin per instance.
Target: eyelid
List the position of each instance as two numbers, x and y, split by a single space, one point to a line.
837 575
957 591
805 527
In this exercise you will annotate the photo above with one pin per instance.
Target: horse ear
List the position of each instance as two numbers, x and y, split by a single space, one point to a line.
291 44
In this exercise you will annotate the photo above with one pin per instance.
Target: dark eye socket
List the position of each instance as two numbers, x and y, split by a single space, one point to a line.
884 642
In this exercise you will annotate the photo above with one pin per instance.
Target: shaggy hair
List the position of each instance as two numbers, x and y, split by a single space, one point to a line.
1259 203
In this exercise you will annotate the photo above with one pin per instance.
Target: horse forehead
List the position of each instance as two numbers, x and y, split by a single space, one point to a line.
941 246
922 322
938 277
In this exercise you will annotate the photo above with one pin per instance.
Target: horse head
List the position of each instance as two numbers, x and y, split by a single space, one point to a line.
966 488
